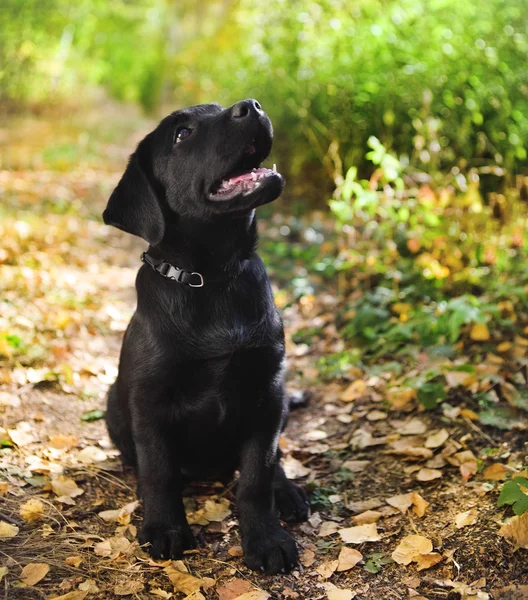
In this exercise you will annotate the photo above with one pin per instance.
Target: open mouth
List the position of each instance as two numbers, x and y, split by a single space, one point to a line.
245 179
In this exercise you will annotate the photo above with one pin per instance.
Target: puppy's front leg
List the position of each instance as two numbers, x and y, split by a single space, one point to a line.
165 525
267 547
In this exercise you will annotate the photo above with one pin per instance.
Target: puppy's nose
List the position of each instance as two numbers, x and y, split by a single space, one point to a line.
245 108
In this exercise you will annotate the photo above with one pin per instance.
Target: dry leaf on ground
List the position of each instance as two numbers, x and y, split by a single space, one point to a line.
369 516
348 558
128 587
327 569
335 593
32 510
516 531
64 486
426 474
294 468
410 548
436 439
426 561
183 582
233 589
254 595
7 530
213 512
360 534
401 501
114 546
119 515
328 528
420 505
76 595
468 517
356 466
89 586
33 573
73 561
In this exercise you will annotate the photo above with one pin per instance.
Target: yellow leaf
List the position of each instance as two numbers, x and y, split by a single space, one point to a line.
65 486
401 308
76 595
294 468
335 593
354 391
426 474
3 572
468 517
128 587
504 347
183 582
420 505
516 530
7 530
360 534
34 572
436 439
410 548
63 442
426 561
369 516
327 569
73 561
120 515
497 472
479 332
401 501
32 510
348 558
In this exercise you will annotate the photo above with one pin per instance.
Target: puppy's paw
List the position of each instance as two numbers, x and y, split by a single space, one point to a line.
292 502
166 541
274 551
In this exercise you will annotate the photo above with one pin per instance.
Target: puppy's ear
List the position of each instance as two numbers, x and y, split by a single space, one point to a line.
134 206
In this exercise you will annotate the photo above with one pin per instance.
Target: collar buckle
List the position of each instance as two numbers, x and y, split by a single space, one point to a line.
197 285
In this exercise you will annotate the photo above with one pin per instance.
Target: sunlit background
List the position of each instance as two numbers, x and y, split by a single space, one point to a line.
398 254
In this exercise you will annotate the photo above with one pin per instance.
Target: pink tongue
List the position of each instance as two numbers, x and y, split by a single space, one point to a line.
245 176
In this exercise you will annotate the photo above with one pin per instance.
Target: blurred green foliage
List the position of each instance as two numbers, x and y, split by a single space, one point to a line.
443 83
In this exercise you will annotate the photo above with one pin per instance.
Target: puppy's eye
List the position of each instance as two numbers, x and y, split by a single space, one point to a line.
181 134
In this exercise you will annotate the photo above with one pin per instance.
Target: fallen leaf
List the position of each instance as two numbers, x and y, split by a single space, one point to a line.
360 534
89 586
254 595
335 593
363 505
414 427
426 474
77 595
400 397
420 505
356 466
63 442
23 434
376 415
328 528
128 587
235 551
33 573
497 472
119 515
114 546
436 439
348 558
90 455
369 516
183 582
466 518
4 487
401 501
410 447
410 548
516 530
294 468
212 512
65 486
161 593
327 569
426 561
32 510
307 558
7 530
479 332
355 390
73 561
3 572
233 589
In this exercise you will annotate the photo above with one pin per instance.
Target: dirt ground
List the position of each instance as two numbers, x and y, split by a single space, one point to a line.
70 293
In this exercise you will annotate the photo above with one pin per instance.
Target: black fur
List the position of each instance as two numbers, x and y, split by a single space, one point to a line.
200 387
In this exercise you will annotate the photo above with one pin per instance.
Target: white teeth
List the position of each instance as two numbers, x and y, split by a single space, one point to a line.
274 168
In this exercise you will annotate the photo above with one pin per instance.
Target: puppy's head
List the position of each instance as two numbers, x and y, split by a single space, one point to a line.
200 162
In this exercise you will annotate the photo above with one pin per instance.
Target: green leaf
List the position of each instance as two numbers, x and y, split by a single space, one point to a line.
512 494
501 417
430 394
92 415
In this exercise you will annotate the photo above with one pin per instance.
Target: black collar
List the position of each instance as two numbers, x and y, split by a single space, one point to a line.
189 278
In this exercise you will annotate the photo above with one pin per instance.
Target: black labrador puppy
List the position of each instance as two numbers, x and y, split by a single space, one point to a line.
200 391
